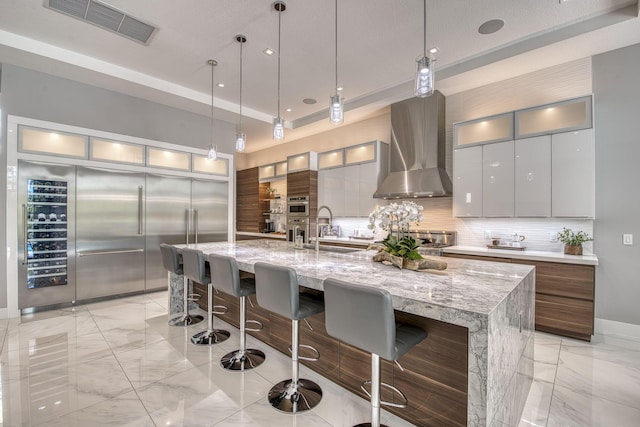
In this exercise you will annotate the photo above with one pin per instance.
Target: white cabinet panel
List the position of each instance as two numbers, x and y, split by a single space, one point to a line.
368 184
467 182
497 180
351 190
533 177
331 190
573 171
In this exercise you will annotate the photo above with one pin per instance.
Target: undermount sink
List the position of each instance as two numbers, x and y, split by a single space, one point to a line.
337 249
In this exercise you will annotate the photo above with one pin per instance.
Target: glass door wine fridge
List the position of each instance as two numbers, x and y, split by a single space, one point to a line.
46 234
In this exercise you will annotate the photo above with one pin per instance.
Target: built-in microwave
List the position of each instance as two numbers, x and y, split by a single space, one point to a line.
297 206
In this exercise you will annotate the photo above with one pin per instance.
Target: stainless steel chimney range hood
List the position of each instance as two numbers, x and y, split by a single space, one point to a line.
417 158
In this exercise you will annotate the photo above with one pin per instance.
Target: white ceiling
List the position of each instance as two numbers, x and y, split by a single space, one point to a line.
379 41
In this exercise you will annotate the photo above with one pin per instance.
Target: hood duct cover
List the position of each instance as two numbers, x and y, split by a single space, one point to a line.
417 158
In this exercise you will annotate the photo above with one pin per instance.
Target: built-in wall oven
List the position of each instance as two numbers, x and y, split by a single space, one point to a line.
297 206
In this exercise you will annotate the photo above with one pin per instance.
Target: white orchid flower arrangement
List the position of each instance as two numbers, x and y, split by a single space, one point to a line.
396 217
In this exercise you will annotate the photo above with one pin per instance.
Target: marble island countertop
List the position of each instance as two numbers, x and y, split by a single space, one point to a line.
587 259
470 286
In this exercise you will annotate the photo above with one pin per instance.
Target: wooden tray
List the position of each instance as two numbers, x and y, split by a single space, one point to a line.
510 248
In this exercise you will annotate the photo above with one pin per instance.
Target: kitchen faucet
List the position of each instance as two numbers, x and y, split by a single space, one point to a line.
318 225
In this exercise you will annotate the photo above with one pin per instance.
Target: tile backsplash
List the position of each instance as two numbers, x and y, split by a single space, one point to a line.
471 231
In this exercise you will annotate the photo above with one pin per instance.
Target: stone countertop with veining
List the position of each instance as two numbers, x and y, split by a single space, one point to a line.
587 259
474 287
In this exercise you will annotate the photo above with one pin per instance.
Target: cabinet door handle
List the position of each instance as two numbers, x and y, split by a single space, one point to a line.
187 213
25 225
140 210
195 224
125 251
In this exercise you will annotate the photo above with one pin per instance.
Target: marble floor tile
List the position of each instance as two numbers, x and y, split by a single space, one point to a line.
56 392
617 351
600 378
49 314
536 410
202 396
122 411
154 362
39 332
261 414
570 408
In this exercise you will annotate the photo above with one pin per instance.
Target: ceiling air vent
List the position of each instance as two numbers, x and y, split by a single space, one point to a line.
105 16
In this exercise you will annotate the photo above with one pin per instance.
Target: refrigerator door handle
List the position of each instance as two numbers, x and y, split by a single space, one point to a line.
195 226
140 210
188 229
25 226
125 251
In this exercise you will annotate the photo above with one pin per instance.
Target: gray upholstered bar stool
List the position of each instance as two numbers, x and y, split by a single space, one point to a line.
225 276
195 269
171 263
277 291
363 317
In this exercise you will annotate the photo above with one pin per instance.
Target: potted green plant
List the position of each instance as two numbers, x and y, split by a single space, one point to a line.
573 241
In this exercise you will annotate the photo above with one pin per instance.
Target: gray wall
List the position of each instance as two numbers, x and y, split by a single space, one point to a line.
36 95
617 123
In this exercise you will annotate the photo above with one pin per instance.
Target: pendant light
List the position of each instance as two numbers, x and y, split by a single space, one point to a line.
278 124
241 138
425 69
336 108
213 148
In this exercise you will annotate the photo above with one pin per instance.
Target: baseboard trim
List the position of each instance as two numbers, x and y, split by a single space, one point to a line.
627 331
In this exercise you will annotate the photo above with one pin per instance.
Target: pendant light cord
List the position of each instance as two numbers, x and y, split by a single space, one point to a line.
424 26
279 37
240 122
213 65
336 27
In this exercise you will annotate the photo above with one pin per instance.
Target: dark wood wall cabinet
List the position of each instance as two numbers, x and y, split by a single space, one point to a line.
565 296
251 201
435 371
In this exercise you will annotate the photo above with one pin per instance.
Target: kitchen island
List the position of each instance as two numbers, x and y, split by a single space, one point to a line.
476 366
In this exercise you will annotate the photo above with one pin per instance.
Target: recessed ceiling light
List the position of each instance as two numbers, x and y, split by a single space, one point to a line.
220 85
268 51
309 101
491 26
434 50
288 110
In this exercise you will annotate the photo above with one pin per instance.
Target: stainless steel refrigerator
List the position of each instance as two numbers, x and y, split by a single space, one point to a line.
110 239
178 211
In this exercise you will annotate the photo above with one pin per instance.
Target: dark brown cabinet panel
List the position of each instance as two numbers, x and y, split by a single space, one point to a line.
250 201
565 295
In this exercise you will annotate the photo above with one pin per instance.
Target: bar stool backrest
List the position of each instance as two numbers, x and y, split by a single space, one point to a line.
277 289
194 266
225 274
170 258
360 316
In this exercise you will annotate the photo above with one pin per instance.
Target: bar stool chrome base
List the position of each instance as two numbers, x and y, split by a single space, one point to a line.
369 425
210 337
186 320
294 398
242 360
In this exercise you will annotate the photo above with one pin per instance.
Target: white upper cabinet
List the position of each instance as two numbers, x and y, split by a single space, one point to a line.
483 131
573 171
349 176
573 114
467 182
302 162
533 177
497 179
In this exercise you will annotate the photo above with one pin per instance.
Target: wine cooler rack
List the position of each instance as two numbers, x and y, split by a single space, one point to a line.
46 233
